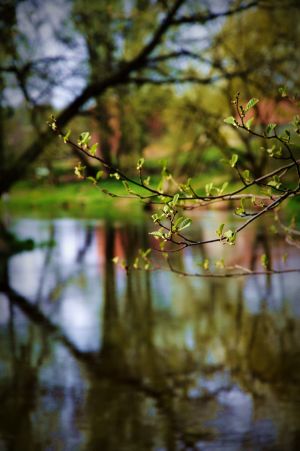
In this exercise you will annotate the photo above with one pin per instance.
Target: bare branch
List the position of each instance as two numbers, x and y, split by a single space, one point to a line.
207 17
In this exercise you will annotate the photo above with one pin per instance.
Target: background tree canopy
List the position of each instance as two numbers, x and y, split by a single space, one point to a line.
150 77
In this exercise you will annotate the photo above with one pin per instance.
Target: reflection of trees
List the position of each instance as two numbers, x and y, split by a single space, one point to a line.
23 367
26 356
145 370
23 378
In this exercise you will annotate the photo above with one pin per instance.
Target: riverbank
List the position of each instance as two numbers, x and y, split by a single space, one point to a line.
84 200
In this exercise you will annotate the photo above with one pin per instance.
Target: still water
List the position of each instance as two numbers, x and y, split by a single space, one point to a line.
92 358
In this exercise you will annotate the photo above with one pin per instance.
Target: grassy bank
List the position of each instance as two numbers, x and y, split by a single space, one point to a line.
79 200
84 200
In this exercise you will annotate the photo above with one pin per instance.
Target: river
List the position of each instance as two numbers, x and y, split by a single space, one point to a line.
96 358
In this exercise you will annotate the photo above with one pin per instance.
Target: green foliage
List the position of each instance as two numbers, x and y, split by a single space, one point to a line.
270 128
252 102
67 136
79 170
230 236
249 122
99 174
296 124
181 223
230 121
92 179
240 211
234 159
275 182
264 261
116 175
140 164
173 197
205 264
84 139
219 231
77 199
93 149
208 188
283 91
248 178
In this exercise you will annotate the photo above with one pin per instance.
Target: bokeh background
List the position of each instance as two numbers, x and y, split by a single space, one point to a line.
91 356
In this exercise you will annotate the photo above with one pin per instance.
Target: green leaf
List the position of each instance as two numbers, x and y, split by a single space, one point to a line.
174 200
93 149
79 171
282 91
52 122
252 102
99 175
223 187
136 263
183 223
140 164
270 128
230 236
247 176
146 181
208 188
266 191
219 231
66 137
146 253
167 209
116 175
239 211
249 122
275 182
234 159
162 246
271 150
157 234
205 264
92 179
296 124
264 261
220 263
230 120
157 217
84 139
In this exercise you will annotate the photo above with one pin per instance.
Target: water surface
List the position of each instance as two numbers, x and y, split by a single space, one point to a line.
94 358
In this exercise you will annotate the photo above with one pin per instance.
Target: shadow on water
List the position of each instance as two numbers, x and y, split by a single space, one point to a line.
92 357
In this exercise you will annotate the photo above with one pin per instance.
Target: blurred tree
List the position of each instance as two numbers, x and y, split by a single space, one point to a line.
268 49
7 24
129 43
89 50
259 47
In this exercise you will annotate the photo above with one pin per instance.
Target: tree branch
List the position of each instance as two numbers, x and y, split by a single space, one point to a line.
206 17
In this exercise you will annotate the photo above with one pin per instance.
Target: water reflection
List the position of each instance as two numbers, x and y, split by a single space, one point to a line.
93 357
